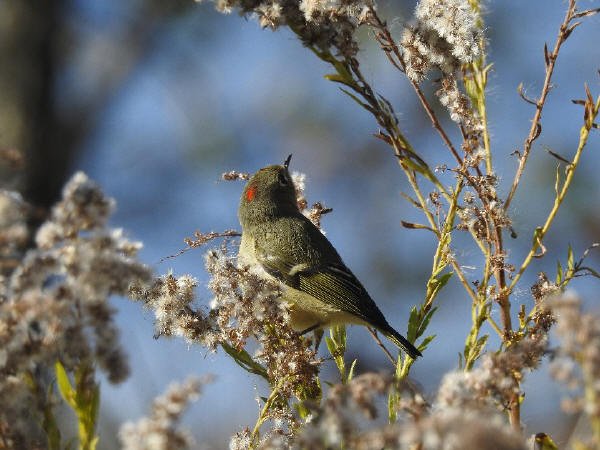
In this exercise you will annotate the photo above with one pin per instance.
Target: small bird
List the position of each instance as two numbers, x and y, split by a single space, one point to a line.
320 289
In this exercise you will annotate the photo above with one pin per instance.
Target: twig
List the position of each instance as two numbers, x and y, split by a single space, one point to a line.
389 46
535 129
387 352
201 239
540 233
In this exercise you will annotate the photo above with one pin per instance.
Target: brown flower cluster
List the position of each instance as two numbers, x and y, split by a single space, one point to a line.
494 382
233 175
317 210
340 422
159 430
325 24
461 429
445 36
484 211
336 422
245 306
55 304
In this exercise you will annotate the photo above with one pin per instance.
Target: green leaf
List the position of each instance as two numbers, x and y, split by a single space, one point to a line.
440 283
337 347
335 77
245 361
478 347
426 342
343 336
330 345
351 373
341 67
303 411
425 322
468 349
417 168
392 402
435 285
570 261
64 385
413 324
357 100
338 334
559 272
444 279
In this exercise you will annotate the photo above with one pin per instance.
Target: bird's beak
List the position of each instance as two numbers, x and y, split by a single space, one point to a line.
286 163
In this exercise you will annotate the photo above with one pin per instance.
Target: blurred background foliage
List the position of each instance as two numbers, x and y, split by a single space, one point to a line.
155 99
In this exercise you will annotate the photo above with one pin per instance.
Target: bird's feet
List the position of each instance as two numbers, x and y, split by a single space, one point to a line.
318 333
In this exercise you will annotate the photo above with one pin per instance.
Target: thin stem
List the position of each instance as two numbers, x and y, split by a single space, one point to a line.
503 300
413 182
464 281
434 120
515 410
495 326
535 124
583 137
388 45
386 351
480 78
262 418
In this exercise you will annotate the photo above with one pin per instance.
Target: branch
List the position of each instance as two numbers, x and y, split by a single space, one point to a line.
535 129
391 50
201 239
589 117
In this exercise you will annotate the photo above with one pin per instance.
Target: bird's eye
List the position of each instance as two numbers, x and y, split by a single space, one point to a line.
283 181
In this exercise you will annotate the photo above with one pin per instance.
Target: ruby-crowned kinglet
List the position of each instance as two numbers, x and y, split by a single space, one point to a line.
321 290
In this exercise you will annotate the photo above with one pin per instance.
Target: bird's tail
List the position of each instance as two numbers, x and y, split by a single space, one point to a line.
401 342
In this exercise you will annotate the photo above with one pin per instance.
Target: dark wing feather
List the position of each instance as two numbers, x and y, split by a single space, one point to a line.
337 286
292 261
333 284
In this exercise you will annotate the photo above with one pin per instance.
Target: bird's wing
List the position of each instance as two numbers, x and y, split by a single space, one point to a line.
333 284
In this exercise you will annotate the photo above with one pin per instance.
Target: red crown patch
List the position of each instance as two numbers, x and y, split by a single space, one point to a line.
251 193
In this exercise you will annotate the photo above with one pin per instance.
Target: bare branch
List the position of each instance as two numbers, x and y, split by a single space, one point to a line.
387 352
535 128
201 239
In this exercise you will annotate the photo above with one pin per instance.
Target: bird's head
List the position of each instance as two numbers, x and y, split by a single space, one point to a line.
269 193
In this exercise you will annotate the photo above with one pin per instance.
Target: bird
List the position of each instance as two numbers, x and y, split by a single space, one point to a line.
320 289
